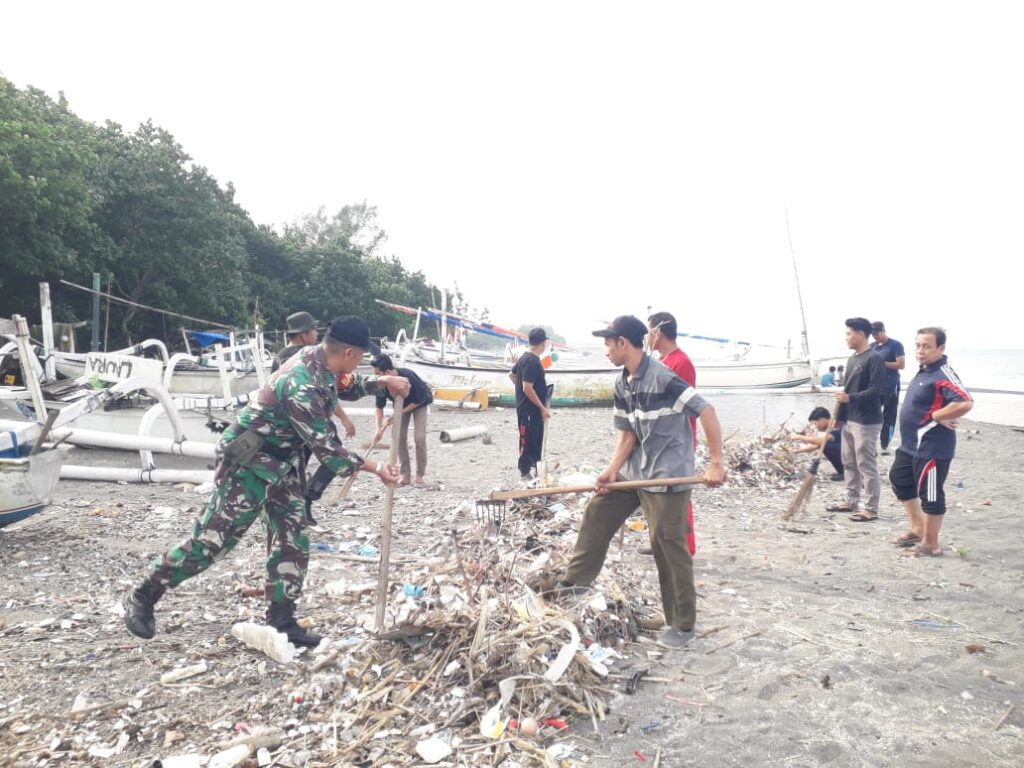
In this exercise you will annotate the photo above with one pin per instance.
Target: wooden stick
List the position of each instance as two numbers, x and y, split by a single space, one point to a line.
1003 719
44 433
349 482
543 473
622 485
389 504
733 642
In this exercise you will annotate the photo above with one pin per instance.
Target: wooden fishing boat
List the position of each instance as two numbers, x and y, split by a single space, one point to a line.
26 482
235 369
594 386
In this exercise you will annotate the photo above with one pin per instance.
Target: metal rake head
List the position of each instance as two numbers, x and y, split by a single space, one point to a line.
491 513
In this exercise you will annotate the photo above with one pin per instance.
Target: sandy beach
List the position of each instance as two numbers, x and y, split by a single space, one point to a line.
817 642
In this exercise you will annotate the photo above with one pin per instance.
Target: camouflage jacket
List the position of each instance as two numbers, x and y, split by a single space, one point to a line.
294 408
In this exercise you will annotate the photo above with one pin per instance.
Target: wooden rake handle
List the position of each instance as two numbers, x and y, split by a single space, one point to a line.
622 485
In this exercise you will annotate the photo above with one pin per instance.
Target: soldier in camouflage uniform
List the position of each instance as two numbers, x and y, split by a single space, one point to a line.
257 475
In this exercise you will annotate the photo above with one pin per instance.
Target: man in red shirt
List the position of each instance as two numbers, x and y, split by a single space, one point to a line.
661 338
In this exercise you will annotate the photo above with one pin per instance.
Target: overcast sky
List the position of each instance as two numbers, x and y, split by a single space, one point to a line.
567 162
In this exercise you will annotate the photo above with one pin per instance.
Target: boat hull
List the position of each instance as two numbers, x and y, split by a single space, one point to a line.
27 484
595 386
201 382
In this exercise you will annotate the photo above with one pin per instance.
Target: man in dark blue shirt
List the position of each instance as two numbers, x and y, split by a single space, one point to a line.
895 361
934 403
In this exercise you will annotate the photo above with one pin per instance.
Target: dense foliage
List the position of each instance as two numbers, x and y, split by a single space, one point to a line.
77 198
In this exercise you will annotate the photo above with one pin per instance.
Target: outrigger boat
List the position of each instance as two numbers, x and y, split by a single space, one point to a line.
577 381
226 370
27 479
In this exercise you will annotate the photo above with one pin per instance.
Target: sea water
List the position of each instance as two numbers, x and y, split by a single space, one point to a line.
994 377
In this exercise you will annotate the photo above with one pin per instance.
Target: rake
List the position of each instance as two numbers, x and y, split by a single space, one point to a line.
491 513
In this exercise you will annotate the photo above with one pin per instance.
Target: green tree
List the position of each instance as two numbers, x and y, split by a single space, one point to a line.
49 163
178 238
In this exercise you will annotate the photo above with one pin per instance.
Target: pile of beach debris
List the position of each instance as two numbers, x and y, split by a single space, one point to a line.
764 462
476 664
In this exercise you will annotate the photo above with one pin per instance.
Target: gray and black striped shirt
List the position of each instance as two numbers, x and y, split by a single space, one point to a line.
655 405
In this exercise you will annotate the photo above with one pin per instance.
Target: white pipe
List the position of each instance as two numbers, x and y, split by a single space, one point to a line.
416 329
114 474
46 310
388 411
92 402
137 348
178 357
151 415
95 438
464 405
463 433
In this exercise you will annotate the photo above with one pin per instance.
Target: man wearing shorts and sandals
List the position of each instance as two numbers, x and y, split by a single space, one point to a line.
934 402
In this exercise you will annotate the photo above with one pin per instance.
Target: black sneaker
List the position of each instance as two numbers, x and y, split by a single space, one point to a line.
281 616
138 610
645 551
838 477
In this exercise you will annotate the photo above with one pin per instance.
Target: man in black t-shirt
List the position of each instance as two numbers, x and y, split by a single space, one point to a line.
415 410
860 408
531 401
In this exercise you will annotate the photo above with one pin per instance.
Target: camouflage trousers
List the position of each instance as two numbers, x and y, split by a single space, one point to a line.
234 505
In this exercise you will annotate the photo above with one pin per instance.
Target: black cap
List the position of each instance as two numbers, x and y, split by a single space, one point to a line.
353 331
877 326
626 326
301 322
538 336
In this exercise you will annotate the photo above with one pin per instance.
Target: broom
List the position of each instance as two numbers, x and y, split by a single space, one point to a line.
799 504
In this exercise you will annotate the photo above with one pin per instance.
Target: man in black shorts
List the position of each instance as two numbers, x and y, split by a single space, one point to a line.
933 405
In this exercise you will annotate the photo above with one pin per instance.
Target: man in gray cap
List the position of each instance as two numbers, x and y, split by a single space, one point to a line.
652 407
301 333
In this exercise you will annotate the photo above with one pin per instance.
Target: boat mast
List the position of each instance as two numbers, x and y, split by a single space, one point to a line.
444 320
799 294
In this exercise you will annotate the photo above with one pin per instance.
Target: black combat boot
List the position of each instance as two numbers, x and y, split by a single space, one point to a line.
138 608
281 616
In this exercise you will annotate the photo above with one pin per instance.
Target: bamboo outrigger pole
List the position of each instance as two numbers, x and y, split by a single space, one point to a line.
389 503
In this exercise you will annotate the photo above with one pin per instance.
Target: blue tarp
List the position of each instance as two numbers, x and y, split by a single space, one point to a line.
208 338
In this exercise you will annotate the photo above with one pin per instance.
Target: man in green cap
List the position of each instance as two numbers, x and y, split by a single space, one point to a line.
257 474
301 333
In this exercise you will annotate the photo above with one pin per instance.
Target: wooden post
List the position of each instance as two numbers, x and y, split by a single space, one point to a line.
46 310
29 366
96 287
225 382
389 502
